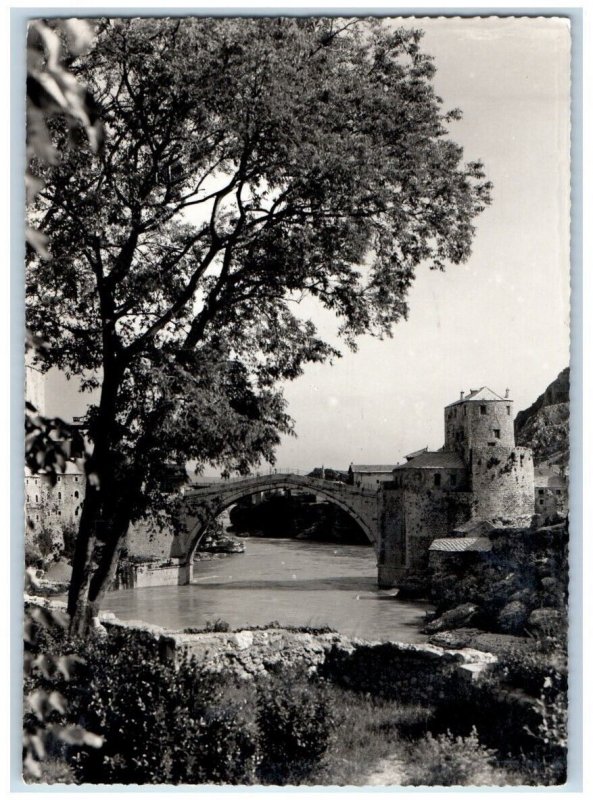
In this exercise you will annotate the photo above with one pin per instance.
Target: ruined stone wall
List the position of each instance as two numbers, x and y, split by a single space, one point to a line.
502 483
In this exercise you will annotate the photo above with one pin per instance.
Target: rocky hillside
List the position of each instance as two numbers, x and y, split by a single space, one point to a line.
544 426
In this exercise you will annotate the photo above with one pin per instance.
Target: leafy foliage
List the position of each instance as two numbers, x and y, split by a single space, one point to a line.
166 722
289 158
295 720
447 760
47 731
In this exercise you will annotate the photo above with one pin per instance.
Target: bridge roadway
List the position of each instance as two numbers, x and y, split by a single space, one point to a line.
205 502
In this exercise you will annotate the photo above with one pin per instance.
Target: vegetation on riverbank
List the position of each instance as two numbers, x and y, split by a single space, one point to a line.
166 722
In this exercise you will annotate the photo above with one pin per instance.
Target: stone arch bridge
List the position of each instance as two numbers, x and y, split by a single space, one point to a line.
206 502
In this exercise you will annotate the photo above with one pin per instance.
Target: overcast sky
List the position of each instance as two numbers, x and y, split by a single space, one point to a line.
501 319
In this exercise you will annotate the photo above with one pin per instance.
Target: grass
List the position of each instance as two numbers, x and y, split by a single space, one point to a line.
367 731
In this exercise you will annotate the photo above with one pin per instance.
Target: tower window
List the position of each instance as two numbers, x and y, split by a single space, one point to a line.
508 411
36 498
482 410
437 480
76 494
541 502
59 495
496 432
465 411
453 480
76 511
540 491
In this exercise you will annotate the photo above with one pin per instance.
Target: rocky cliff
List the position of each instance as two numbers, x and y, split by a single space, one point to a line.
544 426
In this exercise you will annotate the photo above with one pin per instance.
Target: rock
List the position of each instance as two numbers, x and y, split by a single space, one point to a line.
546 620
459 617
455 640
526 596
513 617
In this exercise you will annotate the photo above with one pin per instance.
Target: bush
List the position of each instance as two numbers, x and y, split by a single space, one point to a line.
295 723
447 760
161 723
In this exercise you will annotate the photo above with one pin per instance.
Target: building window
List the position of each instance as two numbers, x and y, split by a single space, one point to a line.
453 480
437 480
76 479
36 498
558 491
58 478
59 495
540 491
465 411
76 494
496 433
541 502
76 511
508 411
482 410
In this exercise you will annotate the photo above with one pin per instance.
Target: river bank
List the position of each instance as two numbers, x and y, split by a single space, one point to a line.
391 711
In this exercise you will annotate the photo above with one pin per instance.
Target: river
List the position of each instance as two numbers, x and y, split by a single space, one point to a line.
290 581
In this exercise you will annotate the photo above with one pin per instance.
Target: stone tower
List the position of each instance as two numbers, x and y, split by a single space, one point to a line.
479 427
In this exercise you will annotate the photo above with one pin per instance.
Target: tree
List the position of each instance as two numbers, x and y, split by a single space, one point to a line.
247 163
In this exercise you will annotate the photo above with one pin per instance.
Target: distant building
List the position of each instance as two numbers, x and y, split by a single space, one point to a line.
551 490
57 506
370 476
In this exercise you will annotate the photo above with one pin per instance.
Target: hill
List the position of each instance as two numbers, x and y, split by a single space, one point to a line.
544 426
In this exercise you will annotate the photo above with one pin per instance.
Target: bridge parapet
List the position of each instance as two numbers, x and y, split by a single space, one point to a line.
274 480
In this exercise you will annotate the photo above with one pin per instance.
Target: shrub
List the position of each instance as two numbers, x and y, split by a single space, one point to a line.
448 760
295 723
162 723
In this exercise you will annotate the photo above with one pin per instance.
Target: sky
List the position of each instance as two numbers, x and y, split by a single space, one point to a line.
499 320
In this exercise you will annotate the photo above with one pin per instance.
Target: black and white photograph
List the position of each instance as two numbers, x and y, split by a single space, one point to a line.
296 348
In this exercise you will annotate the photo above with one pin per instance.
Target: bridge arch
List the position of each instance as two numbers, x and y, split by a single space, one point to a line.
206 503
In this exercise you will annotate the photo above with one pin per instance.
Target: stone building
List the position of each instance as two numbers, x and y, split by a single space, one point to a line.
53 507
370 476
478 474
551 490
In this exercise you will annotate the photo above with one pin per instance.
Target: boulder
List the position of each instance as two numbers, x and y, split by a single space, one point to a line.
455 640
513 617
459 617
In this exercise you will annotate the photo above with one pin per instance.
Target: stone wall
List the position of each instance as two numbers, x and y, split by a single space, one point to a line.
411 519
147 540
502 483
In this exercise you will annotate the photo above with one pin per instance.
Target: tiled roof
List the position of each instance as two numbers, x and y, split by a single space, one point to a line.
481 395
474 526
440 460
473 544
373 467
410 456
